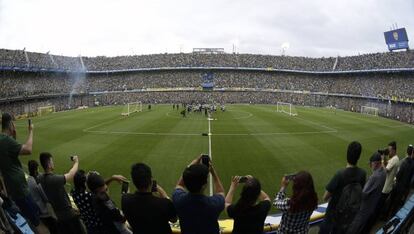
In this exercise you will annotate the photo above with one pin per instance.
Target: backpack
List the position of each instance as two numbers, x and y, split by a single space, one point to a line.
348 205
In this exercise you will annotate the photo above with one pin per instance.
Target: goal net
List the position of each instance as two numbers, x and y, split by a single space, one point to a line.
369 110
286 108
44 110
131 107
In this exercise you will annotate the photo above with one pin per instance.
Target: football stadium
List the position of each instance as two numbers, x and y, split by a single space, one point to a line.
208 141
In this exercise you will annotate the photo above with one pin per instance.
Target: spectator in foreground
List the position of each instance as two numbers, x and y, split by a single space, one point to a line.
197 212
145 212
402 182
40 198
250 211
346 182
371 195
83 200
298 209
12 171
391 167
54 188
113 220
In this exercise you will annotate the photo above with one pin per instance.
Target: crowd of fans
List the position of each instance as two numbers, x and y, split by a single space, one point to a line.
102 63
387 86
355 202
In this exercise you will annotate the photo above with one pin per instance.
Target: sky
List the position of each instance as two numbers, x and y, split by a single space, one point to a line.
313 28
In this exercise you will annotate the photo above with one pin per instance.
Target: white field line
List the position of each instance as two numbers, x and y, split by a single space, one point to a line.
274 133
100 124
317 124
144 133
209 153
215 134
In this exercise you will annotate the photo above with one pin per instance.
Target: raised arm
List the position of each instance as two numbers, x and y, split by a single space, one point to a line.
162 192
117 178
27 147
263 196
218 187
230 194
71 173
281 202
180 182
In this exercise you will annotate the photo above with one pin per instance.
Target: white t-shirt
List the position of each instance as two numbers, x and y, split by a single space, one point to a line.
392 168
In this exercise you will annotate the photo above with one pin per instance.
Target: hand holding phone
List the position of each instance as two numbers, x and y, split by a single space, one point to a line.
243 179
29 122
290 177
205 160
125 186
74 158
154 186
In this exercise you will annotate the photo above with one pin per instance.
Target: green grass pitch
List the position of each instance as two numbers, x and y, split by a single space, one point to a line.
246 139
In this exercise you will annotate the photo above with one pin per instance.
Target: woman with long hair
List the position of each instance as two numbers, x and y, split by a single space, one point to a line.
83 200
297 209
250 211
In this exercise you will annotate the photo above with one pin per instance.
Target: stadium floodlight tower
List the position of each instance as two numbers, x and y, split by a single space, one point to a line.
368 110
285 46
286 108
132 107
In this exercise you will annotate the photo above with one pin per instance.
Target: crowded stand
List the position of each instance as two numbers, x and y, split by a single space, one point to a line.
386 86
20 58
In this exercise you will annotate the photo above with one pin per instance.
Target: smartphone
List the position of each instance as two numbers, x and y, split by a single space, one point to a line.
125 186
243 179
290 176
205 159
154 186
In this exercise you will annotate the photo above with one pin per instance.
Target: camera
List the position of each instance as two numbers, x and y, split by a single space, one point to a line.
384 151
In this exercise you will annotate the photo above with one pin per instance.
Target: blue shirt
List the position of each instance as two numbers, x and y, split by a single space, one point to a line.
198 213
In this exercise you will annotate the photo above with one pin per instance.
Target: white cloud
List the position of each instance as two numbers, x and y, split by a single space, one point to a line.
115 27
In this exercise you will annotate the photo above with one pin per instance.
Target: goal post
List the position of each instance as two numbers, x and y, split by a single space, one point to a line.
368 110
44 110
131 107
286 108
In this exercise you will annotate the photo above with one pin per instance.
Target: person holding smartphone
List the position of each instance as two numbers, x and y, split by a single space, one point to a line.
298 208
197 212
54 187
112 218
84 201
149 209
12 171
250 211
